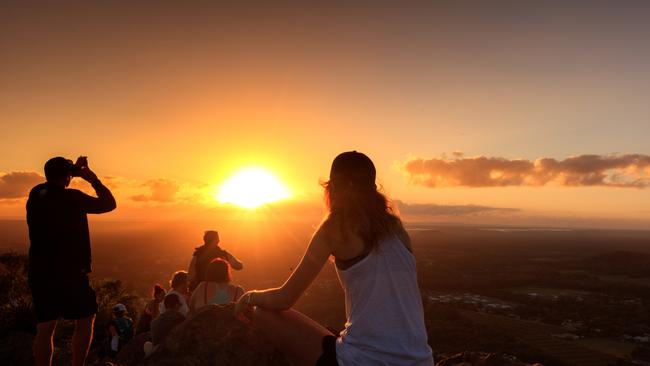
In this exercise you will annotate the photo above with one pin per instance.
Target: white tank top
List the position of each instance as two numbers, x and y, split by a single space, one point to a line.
385 320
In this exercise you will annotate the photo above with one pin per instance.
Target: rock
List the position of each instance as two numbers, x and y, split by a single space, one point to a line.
480 359
213 336
133 352
16 349
641 353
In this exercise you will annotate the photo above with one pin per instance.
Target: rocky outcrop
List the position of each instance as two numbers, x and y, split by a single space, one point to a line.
133 352
481 359
213 336
16 349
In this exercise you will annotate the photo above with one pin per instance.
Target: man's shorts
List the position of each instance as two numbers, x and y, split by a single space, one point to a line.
68 297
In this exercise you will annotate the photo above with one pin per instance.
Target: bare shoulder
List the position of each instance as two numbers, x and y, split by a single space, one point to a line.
328 230
344 243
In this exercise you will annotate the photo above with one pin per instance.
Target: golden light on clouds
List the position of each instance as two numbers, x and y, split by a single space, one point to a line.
251 188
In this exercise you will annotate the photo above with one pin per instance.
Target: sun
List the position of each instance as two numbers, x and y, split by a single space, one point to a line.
251 188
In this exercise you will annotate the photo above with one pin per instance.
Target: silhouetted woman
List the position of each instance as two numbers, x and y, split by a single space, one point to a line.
178 286
216 289
151 310
376 268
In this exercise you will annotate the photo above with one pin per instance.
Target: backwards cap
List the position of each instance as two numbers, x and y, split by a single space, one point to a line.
353 167
57 168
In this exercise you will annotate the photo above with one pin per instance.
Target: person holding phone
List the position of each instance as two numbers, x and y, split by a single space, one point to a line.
60 255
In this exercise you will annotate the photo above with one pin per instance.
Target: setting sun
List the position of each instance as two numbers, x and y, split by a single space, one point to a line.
251 188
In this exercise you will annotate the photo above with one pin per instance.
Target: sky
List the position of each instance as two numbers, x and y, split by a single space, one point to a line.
501 112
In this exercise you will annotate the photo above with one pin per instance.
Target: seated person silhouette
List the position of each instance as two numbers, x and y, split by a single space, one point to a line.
216 289
120 329
165 322
178 285
151 310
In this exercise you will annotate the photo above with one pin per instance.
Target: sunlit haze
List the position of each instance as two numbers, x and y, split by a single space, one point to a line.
518 113
511 138
251 188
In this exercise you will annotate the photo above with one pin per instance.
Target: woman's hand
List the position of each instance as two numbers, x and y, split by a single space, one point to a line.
244 307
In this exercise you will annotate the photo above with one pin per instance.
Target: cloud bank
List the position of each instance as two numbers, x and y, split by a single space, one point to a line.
161 190
430 209
15 185
627 171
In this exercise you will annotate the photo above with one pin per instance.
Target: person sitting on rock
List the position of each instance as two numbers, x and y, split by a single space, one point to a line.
216 288
204 254
376 267
165 323
120 328
178 285
151 310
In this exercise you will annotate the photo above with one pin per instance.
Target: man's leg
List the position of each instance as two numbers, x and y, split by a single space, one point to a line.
83 334
43 343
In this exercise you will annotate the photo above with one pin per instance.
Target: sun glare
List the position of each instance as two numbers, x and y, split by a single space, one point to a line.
251 188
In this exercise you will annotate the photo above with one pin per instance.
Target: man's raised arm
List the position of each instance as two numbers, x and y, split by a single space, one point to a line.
234 262
104 202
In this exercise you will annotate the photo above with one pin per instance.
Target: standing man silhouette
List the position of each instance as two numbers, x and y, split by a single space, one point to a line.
204 254
59 255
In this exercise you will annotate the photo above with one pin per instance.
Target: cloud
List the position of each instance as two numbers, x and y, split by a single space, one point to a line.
630 170
161 190
17 184
430 209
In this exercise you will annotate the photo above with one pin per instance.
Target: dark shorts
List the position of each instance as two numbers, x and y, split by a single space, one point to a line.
69 297
328 357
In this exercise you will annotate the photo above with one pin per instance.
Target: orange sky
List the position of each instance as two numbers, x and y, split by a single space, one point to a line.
179 97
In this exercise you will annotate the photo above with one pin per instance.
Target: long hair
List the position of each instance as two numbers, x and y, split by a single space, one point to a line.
157 289
218 271
360 209
178 278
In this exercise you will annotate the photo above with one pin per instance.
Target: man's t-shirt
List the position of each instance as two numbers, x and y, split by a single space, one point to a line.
204 255
164 324
58 228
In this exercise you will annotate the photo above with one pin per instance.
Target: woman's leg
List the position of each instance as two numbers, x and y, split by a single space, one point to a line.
294 334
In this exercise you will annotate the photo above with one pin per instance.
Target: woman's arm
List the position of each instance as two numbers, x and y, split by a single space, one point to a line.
284 297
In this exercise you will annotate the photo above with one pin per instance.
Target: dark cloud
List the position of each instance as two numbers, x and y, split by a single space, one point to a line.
430 209
631 170
161 190
17 184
